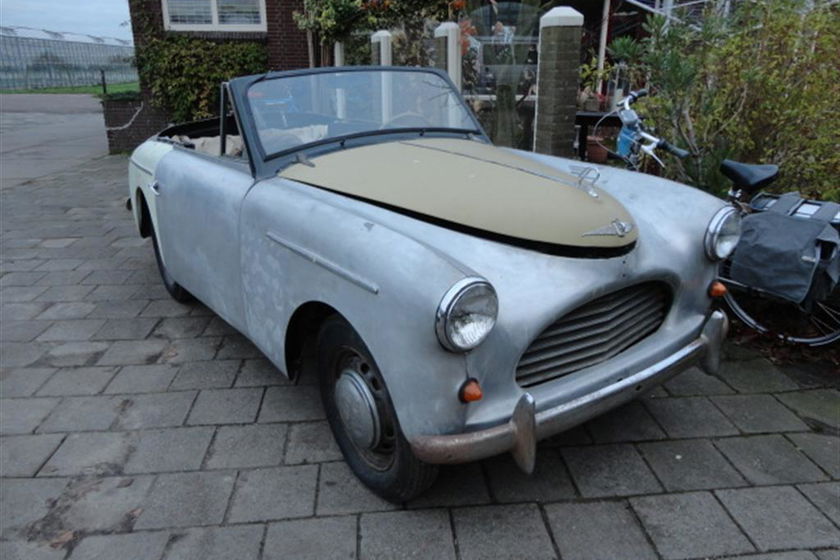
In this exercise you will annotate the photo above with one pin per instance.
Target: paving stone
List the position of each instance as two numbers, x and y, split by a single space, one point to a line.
226 406
117 309
177 449
186 499
112 277
690 465
609 470
24 501
20 354
406 534
690 525
181 327
20 311
340 492
303 539
186 350
67 310
109 504
820 407
18 294
779 518
311 442
759 414
456 485
77 381
142 379
135 328
291 404
165 308
793 555
22 331
690 417
258 445
76 353
259 373
24 455
23 382
63 278
695 382
79 414
274 493
823 449
134 352
826 496
218 543
206 374
769 459
21 278
549 481
132 545
65 293
23 550
155 410
66 331
514 531
597 530
100 453
22 416
238 347
218 327
111 293
755 376
631 422
833 554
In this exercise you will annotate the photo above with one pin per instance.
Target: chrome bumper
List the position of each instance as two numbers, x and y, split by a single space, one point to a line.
520 434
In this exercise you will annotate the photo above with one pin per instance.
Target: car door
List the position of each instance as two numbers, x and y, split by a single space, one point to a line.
198 201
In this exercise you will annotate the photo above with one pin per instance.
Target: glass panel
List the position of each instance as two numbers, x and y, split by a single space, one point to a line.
239 12
190 11
299 110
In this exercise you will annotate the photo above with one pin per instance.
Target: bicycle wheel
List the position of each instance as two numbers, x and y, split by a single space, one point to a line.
782 319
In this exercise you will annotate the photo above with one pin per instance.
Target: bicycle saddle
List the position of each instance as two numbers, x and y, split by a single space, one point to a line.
747 176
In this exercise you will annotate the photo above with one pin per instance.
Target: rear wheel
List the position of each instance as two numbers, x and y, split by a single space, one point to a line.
175 290
362 416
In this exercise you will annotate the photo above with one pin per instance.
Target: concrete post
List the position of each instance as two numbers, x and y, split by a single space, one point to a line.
558 77
448 50
338 54
381 48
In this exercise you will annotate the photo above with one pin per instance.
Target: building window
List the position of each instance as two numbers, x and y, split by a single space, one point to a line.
214 15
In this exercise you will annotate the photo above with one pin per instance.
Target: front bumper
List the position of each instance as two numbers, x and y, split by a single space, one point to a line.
526 426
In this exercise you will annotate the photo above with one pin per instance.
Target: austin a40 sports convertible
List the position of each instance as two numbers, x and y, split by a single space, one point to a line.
456 300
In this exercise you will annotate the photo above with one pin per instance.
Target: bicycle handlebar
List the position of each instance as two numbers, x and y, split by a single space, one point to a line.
670 148
636 95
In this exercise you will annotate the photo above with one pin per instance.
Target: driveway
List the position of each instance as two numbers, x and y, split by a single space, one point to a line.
45 133
136 427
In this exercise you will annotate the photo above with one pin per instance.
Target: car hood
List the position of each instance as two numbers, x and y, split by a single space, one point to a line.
476 187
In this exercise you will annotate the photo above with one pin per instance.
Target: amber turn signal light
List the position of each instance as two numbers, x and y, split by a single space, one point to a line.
717 289
470 391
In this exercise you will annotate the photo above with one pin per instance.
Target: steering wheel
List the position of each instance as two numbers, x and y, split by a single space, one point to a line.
408 119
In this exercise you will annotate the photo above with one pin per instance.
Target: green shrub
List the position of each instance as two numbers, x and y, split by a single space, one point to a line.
184 73
759 86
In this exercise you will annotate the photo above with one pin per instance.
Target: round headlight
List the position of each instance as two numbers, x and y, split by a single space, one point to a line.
466 314
723 233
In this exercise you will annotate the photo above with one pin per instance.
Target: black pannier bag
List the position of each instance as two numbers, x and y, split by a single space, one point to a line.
789 254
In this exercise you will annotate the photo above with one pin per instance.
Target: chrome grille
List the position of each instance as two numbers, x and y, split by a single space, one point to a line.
594 332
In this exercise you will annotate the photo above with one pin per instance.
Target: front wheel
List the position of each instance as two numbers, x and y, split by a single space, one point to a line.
362 416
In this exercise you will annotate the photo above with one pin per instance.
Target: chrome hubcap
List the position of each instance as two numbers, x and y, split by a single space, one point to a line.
357 409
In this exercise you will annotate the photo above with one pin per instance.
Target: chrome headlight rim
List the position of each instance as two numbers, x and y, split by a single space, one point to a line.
714 229
449 301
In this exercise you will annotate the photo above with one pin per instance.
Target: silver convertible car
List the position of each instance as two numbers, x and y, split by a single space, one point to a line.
456 300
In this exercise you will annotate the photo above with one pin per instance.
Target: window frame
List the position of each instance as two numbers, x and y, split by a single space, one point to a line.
215 25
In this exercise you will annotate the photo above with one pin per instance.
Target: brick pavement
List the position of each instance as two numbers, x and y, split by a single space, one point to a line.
136 427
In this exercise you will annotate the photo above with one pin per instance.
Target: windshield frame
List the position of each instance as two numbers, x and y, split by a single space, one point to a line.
269 164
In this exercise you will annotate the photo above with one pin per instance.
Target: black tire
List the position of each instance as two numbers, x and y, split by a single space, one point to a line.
390 469
175 290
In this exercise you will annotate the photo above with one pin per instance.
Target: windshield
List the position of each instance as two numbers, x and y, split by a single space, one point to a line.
297 110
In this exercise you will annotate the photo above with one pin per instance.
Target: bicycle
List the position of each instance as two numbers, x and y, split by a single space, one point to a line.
777 300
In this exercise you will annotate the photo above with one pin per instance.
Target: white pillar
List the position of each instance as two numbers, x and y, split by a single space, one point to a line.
602 42
338 54
382 39
452 32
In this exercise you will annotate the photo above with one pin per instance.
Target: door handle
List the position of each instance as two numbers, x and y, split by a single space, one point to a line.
154 186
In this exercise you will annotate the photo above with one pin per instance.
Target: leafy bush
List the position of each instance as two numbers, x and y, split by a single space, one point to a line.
759 86
184 73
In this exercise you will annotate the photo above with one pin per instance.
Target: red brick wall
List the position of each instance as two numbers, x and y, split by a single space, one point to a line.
286 43
118 113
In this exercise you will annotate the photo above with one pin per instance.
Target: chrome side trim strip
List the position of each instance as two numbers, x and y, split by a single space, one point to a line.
140 167
338 270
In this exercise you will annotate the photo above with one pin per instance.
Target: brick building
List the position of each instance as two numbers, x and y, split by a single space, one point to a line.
267 22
